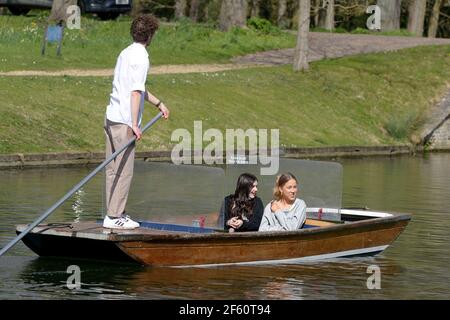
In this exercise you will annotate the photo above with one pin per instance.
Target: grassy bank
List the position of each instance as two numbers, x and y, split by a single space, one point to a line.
97 43
374 99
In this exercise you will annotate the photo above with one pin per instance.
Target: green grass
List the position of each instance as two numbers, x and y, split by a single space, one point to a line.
336 30
375 99
401 32
97 43
402 125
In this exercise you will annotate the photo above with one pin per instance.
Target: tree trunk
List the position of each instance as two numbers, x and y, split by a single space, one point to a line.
233 13
301 50
329 20
58 13
255 8
322 18
282 8
416 17
390 14
193 11
206 12
434 19
180 8
316 10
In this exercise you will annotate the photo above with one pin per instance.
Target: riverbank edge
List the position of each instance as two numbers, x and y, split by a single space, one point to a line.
69 159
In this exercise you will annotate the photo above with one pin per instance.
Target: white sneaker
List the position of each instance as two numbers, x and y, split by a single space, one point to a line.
128 219
119 223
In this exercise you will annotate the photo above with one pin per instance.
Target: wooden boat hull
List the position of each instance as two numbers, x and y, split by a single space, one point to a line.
362 234
47 245
360 238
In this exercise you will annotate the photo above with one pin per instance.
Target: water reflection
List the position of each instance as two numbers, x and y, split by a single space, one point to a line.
420 186
45 278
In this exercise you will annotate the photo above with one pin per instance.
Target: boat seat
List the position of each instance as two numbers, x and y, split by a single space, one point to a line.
312 223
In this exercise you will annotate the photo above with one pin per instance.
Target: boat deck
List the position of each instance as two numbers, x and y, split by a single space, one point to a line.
94 230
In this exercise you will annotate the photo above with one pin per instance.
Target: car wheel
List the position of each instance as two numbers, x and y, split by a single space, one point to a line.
17 11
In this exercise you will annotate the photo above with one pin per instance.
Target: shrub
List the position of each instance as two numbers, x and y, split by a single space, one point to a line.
262 25
401 127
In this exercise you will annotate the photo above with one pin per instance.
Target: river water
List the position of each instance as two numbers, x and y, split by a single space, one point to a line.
416 266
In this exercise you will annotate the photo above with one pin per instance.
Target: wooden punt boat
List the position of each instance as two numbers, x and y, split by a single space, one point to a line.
356 233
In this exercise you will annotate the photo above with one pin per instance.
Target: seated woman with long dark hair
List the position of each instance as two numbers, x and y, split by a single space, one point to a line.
243 210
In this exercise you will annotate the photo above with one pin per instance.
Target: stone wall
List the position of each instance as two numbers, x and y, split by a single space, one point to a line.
19 160
440 138
436 131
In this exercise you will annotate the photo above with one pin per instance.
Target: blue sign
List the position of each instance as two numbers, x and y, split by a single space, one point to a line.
54 33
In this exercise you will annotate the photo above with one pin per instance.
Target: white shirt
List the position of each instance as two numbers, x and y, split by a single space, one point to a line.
130 75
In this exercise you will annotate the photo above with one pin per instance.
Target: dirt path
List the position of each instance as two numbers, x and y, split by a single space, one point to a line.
335 45
322 46
164 69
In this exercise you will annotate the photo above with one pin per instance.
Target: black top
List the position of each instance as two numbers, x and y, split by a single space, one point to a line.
253 221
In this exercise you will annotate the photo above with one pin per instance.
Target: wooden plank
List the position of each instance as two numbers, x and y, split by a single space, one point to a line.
318 223
179 253
91 230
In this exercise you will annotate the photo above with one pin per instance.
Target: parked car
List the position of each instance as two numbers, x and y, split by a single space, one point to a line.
105 9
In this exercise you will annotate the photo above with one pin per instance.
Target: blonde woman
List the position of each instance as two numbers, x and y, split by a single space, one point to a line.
286 212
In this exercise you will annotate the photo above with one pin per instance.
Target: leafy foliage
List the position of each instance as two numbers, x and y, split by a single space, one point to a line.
262 25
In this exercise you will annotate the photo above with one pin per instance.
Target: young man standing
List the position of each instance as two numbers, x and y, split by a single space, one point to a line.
123 119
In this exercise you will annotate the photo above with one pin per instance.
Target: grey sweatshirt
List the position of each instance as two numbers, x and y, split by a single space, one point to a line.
284 220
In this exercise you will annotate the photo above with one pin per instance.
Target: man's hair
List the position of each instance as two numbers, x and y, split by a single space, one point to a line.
143 28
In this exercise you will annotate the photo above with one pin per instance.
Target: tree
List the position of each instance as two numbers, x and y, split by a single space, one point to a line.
329 20
233 13
282 9
324 15
255 8
315 4
301 50
390 14
194 10
416 16
180 8
58 13
434 19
